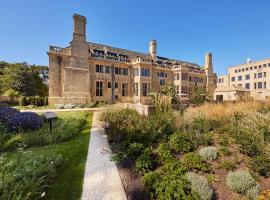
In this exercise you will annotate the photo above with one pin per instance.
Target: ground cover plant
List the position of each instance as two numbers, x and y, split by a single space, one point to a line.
210 142
40 164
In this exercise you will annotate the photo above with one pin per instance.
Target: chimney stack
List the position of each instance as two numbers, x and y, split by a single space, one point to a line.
208 62
153 48
79 28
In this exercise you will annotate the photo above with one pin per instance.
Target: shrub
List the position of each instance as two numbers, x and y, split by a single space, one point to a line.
25 121
169 182
248 131
159 126
149 179
208 153
69 106
6 113
164 153
249 144
60 106
193 161
260 164
203 124
224 140
224 151
23 101
145 162
181 142
36 101
200 185
122 124
134 150
253 192
241 181
227 165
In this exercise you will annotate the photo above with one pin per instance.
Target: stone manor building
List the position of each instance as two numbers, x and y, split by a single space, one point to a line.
85 71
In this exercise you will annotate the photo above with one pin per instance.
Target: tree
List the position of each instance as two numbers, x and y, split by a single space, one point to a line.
23 78
169 90
198 96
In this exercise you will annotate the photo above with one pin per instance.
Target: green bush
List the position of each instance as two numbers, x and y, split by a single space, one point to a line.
181 142
200 185
224 151
27 175
36 101
134 150
248 130
203 124
122 124
227 165
208 153
23 101
150 178
159 126
260 164
169 182
224 140
249 144
145 162
193 161
164 153
241 181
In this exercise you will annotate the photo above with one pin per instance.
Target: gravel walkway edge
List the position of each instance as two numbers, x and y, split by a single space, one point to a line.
101 178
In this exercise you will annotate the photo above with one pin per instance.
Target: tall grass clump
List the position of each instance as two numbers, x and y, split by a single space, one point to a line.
221 111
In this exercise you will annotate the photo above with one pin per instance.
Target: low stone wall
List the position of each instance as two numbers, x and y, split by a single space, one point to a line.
140 108
8 99
65 100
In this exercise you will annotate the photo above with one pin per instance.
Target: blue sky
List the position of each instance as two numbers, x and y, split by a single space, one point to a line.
233 30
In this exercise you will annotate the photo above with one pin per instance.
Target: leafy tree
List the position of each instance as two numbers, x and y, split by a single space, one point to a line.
25 79
198 96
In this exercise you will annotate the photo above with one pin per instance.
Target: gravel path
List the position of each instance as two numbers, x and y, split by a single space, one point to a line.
101 179
64 110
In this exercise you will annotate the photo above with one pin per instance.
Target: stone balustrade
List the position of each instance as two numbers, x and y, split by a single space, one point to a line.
59 50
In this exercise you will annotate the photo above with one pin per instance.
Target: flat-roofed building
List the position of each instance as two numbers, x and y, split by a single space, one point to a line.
253 76
87 71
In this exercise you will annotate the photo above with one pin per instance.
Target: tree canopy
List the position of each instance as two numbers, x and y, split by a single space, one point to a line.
23 79
198 96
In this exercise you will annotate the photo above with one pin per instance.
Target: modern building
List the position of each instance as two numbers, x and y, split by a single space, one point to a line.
231 93
86 71
251 76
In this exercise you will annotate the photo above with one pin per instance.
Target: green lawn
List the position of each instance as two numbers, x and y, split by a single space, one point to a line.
68 185
47 164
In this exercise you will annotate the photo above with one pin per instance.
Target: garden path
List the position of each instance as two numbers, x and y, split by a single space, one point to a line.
101 179
63 110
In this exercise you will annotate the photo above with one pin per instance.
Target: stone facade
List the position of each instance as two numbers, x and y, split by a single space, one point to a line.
85 71
253 76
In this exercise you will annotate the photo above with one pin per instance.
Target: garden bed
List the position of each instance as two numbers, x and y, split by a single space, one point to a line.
43 164
208 152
